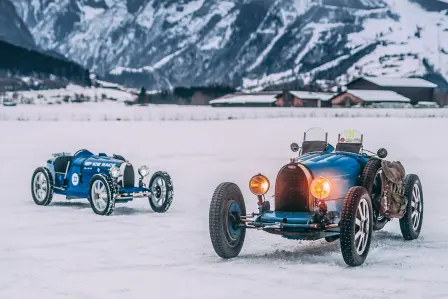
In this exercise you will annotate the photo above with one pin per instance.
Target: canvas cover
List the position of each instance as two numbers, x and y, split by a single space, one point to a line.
392 202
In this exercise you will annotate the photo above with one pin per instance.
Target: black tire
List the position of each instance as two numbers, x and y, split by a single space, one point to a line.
110 191
49 187
164 192
356 197
408 229
227 237
372 182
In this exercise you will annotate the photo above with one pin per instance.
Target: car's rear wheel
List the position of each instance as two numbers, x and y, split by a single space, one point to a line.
371 180
162 192
102 195
356 226
42 188
412 221
227 231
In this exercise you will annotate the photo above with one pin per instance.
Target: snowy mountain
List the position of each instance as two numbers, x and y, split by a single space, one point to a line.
12 28
246 43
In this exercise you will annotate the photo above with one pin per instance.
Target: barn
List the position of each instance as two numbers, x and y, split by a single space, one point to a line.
239 99
415 89
275 99
365 98
303 99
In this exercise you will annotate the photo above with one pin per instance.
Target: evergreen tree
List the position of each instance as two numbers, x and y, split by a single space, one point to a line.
142 96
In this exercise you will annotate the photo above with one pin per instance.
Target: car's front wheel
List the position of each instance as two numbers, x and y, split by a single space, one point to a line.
42 188
102 195
162 192
226 230
356 226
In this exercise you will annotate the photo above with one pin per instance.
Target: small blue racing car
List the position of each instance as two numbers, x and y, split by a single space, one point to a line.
104 180
343 192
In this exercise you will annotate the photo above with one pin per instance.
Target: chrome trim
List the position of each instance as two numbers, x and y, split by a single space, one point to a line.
136 195
309 178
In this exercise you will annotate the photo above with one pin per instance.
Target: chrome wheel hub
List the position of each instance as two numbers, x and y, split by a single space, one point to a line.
362 226
40 186
158 189
417 207
99 196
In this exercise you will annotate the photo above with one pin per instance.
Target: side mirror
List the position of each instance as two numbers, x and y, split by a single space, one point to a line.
382 153
295 147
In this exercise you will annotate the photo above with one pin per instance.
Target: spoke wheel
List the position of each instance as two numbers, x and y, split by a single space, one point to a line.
161 187
356 226
362 226
412 221
102 195
42 186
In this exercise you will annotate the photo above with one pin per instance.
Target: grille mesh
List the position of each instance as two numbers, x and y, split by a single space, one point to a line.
128 176
291 190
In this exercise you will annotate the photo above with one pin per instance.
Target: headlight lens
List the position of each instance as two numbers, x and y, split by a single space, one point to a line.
115 171
259 185
144 170
320 187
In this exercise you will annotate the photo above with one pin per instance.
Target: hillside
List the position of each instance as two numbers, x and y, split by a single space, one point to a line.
247 43
22 68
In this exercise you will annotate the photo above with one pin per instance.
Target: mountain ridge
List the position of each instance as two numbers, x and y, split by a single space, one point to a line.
248 43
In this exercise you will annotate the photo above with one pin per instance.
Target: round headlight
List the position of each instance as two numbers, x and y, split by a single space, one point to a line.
320 187
144 170
115 171
259 185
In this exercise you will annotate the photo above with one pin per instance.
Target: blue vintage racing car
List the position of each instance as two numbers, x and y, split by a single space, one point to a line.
104 180
343 192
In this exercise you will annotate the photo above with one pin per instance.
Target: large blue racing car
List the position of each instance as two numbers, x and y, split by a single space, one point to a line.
343 192
104 180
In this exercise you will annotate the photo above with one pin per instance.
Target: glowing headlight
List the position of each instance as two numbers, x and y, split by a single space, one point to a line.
115 171
144 170
320 187
259 185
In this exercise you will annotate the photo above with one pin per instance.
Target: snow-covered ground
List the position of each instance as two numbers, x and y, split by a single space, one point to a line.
105 91
114 111
66 251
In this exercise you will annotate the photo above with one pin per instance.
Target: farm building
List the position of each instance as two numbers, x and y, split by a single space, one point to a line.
304 99
415 89
240 99
275 99
364 98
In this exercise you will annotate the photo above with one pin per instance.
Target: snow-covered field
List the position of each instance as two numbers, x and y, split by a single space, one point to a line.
66 251
113 111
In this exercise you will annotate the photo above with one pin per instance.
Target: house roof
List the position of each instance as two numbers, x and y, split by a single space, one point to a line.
245 99
399 82
307 95
378 96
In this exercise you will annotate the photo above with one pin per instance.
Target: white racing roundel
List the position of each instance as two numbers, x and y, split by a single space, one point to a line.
75 179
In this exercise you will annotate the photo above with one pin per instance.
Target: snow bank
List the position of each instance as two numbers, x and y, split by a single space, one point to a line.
118 112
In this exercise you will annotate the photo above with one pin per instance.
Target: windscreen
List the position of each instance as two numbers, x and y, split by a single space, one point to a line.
350 136
315 134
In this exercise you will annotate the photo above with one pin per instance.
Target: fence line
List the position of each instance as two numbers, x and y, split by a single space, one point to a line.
198 113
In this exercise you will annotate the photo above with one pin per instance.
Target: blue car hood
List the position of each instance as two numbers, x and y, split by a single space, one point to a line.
342 169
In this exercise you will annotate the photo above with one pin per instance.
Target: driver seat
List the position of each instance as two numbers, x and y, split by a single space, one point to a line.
61 164
313 146
349 147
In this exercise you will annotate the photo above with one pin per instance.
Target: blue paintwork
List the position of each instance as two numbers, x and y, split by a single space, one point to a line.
342 170
84 165
235 232
293 217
